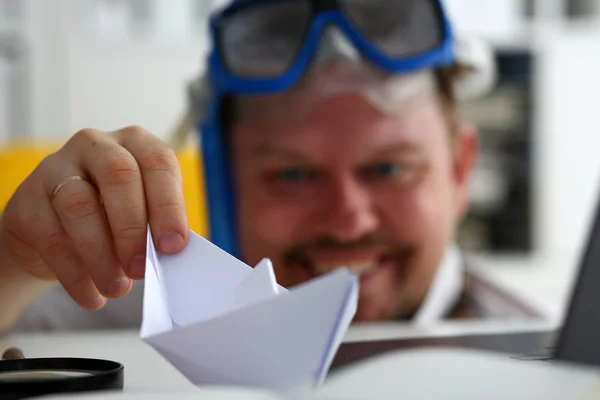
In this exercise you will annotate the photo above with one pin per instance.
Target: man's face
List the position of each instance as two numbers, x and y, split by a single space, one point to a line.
345 185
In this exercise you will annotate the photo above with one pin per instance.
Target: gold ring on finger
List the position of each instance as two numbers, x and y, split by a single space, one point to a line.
64 182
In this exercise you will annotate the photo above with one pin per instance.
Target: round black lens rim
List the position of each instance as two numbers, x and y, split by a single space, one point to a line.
240 7
104 375
439 18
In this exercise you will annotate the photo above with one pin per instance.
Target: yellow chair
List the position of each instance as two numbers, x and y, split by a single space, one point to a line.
18 161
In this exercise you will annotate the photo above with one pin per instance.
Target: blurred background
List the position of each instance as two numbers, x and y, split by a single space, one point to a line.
70 64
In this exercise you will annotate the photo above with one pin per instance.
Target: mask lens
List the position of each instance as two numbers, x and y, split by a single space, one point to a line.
397 28
262 40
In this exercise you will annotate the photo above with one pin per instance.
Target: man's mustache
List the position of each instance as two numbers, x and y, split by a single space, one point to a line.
299 253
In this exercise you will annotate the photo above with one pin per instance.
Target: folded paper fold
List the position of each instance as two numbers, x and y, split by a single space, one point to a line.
221 322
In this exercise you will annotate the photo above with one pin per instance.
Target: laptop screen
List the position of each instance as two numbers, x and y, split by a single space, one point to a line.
579 340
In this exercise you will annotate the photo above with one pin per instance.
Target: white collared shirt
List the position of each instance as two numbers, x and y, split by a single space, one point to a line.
445 289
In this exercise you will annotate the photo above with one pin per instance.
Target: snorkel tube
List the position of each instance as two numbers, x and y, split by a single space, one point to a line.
218 177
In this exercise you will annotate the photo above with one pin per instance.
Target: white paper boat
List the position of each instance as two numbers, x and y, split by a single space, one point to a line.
221 322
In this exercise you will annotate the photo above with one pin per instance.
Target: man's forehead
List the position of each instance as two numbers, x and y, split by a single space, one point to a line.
346 117
360 134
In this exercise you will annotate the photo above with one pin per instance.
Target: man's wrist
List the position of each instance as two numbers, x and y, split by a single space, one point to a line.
18 288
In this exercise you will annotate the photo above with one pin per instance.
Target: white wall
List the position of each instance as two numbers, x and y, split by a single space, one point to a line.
129 84
46 33
568 137
78 80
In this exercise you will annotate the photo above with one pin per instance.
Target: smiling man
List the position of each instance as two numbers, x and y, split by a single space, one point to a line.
331 139
340 124
341 181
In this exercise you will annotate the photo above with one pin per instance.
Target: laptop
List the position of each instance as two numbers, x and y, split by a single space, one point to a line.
577 340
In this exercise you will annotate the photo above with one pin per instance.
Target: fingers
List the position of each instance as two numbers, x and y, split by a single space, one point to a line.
91 233
56 250
82 218
118 178
41 223
139 181
163 188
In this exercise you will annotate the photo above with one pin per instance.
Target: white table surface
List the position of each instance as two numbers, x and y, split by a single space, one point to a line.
146 371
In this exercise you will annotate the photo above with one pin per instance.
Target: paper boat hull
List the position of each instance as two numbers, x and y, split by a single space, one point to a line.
285 343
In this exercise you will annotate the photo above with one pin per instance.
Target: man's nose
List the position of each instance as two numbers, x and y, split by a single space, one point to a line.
349 212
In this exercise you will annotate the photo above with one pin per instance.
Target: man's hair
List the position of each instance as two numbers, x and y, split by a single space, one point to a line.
445 78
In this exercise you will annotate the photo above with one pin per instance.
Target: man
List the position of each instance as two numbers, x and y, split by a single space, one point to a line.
330 139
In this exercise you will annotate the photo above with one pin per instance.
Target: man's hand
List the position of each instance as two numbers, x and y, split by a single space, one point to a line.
91 234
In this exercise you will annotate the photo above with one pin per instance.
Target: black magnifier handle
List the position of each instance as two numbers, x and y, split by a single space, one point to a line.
13 353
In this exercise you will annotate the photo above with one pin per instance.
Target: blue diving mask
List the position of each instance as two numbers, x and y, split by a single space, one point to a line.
267 46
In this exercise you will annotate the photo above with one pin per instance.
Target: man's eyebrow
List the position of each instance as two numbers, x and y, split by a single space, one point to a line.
404 147
269 150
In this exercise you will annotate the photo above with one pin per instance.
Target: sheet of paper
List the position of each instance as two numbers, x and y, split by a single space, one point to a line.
221 322
155 314
259 285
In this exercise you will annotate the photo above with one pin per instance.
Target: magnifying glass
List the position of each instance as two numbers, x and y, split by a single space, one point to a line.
22 378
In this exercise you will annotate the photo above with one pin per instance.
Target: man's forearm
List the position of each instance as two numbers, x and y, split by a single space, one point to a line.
17 288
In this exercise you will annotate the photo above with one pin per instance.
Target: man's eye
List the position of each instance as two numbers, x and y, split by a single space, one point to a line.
382 170
393 173
387 170
293 175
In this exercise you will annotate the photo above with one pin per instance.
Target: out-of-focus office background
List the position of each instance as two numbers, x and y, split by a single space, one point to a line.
70 64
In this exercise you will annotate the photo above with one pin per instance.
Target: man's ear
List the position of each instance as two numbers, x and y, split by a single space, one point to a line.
466 150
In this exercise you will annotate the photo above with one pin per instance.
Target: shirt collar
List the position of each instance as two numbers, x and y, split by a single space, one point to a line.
445 289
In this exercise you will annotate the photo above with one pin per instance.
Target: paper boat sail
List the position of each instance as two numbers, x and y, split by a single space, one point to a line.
221 322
